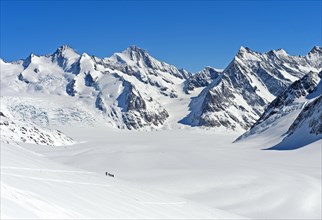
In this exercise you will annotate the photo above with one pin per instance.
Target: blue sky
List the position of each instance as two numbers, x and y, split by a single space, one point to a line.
188 34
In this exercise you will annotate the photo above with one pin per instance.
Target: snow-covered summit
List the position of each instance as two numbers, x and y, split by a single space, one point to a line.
316 49
134 56
278 53
66 57
245 52
65 51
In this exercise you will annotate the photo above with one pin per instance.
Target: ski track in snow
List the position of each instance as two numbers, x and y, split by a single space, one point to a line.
54 180
45 170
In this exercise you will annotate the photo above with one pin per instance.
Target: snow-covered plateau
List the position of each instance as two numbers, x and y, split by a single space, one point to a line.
131 137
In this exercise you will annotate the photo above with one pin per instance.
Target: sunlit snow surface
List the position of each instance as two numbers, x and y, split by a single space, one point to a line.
34 187
187 173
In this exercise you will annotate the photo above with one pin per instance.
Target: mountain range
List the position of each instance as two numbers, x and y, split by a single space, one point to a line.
133 90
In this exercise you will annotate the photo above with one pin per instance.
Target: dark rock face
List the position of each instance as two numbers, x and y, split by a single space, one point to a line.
134 102
21 78
70 89
89 80
135 111
99 103
219 100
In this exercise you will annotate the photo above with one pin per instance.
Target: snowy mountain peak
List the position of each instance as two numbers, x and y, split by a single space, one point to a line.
243 50
64 51
141 57
135 49
278 53
245 54
201 79
138 62
64 47
29 60
32 56
135 53
85 55
66 57
211 69
314 57
316 49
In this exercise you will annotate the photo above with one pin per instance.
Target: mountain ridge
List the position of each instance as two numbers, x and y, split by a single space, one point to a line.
233 98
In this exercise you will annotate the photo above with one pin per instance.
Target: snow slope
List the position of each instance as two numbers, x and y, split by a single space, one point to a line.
15 131
305 129
204 167
193 165
282 117
33 187
49 110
